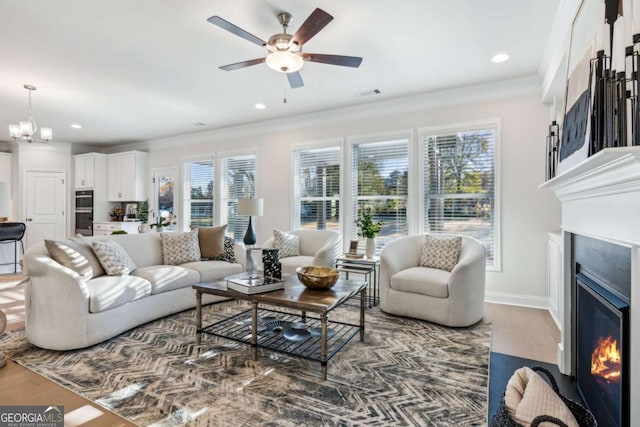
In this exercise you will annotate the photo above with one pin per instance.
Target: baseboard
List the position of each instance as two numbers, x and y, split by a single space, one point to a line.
519 300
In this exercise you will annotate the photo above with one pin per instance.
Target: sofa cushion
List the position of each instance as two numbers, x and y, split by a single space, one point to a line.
114 259
211 240
178 248
165 278
290 264
441 252
211 271
422 280
106 292
75 255
287 244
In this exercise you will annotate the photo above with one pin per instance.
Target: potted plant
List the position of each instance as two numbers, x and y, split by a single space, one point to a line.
369 229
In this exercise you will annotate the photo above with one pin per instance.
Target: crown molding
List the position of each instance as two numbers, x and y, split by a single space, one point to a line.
527 85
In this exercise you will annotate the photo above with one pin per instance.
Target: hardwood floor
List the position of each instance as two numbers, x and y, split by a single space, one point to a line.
517 331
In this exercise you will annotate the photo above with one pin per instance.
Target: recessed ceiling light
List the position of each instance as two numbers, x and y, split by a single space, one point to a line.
260 106
76 126
501 57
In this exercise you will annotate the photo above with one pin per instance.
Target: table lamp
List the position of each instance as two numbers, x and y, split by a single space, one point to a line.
250 207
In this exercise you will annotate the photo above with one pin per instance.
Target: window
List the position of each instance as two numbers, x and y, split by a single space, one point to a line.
380 183
316 188
198 194
238 174
459 185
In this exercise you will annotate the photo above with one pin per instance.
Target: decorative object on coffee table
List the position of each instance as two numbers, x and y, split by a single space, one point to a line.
317 277
271 266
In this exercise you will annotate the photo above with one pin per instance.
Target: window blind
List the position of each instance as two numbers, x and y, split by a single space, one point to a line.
316 188
459 182
380 184
199 193
238 182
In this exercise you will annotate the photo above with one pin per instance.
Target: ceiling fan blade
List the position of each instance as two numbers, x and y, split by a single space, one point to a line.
309 28
295 80
345 61
226 25
242 64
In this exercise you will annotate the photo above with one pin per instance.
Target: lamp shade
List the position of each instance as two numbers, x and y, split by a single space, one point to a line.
5 200
250 207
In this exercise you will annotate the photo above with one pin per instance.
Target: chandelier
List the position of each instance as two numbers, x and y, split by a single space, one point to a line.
24 131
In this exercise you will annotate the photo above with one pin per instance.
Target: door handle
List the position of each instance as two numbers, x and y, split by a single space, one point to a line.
28 219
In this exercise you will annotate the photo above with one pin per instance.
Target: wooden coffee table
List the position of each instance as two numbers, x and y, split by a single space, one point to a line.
319 340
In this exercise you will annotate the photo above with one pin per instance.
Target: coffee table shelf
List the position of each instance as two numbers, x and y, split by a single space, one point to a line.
238 328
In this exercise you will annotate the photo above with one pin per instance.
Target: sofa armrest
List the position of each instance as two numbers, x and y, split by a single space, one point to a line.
57 303
328 253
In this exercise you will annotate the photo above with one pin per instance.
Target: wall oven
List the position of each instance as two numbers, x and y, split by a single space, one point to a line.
84 212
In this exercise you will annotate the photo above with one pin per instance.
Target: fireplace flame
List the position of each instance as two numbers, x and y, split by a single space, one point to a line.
605 360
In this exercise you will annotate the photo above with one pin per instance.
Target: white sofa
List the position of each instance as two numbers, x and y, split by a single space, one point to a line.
317 247
64 311
454 298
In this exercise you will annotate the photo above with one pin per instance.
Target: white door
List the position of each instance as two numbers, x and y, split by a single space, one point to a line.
45 203
165 186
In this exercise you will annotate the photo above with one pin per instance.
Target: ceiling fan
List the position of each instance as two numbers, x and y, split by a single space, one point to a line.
285 50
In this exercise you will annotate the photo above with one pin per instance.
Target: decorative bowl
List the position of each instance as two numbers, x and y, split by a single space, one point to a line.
317 277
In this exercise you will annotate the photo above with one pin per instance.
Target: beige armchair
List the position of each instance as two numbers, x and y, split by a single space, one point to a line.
317 247
453 298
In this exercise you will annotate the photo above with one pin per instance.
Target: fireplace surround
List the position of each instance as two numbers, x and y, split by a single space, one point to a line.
600 325
600 199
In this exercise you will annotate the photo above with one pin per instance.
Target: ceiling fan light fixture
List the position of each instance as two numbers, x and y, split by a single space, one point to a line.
284 62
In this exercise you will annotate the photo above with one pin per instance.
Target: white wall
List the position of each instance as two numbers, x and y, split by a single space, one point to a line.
527 212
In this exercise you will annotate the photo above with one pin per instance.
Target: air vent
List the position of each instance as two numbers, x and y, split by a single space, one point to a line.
368 93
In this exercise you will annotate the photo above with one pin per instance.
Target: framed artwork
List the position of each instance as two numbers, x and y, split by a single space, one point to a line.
578 101
353 247
131 210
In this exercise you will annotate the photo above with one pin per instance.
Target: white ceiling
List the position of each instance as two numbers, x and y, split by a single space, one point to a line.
138 70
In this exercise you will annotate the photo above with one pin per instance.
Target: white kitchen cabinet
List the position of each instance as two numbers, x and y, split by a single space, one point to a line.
89 170
126 176
106 228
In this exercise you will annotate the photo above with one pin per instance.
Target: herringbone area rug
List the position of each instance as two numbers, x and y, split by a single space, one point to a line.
406 373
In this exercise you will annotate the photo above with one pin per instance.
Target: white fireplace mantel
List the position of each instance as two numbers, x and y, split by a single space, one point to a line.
600 198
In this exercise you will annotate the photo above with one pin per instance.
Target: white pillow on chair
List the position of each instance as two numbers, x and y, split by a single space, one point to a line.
287 244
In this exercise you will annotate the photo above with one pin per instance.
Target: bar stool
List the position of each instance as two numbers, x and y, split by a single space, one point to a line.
13 232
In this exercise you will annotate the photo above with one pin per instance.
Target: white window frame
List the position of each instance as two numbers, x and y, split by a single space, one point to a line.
186 188
221 181
409 135
330 143
490 123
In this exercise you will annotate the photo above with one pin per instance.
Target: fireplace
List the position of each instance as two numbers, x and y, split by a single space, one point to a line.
601 345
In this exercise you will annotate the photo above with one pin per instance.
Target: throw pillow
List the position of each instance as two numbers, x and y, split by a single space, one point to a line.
229 254
93 260
113 257
287 244
211 240
76 256
441 252
178 248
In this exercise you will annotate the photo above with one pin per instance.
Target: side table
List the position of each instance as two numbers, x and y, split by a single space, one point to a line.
367 267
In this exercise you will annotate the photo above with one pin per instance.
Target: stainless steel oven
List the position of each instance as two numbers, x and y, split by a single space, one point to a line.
84 212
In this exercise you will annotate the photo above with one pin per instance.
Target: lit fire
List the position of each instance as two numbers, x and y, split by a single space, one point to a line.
605 360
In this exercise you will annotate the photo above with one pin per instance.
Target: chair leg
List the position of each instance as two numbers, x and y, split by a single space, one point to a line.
22 247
